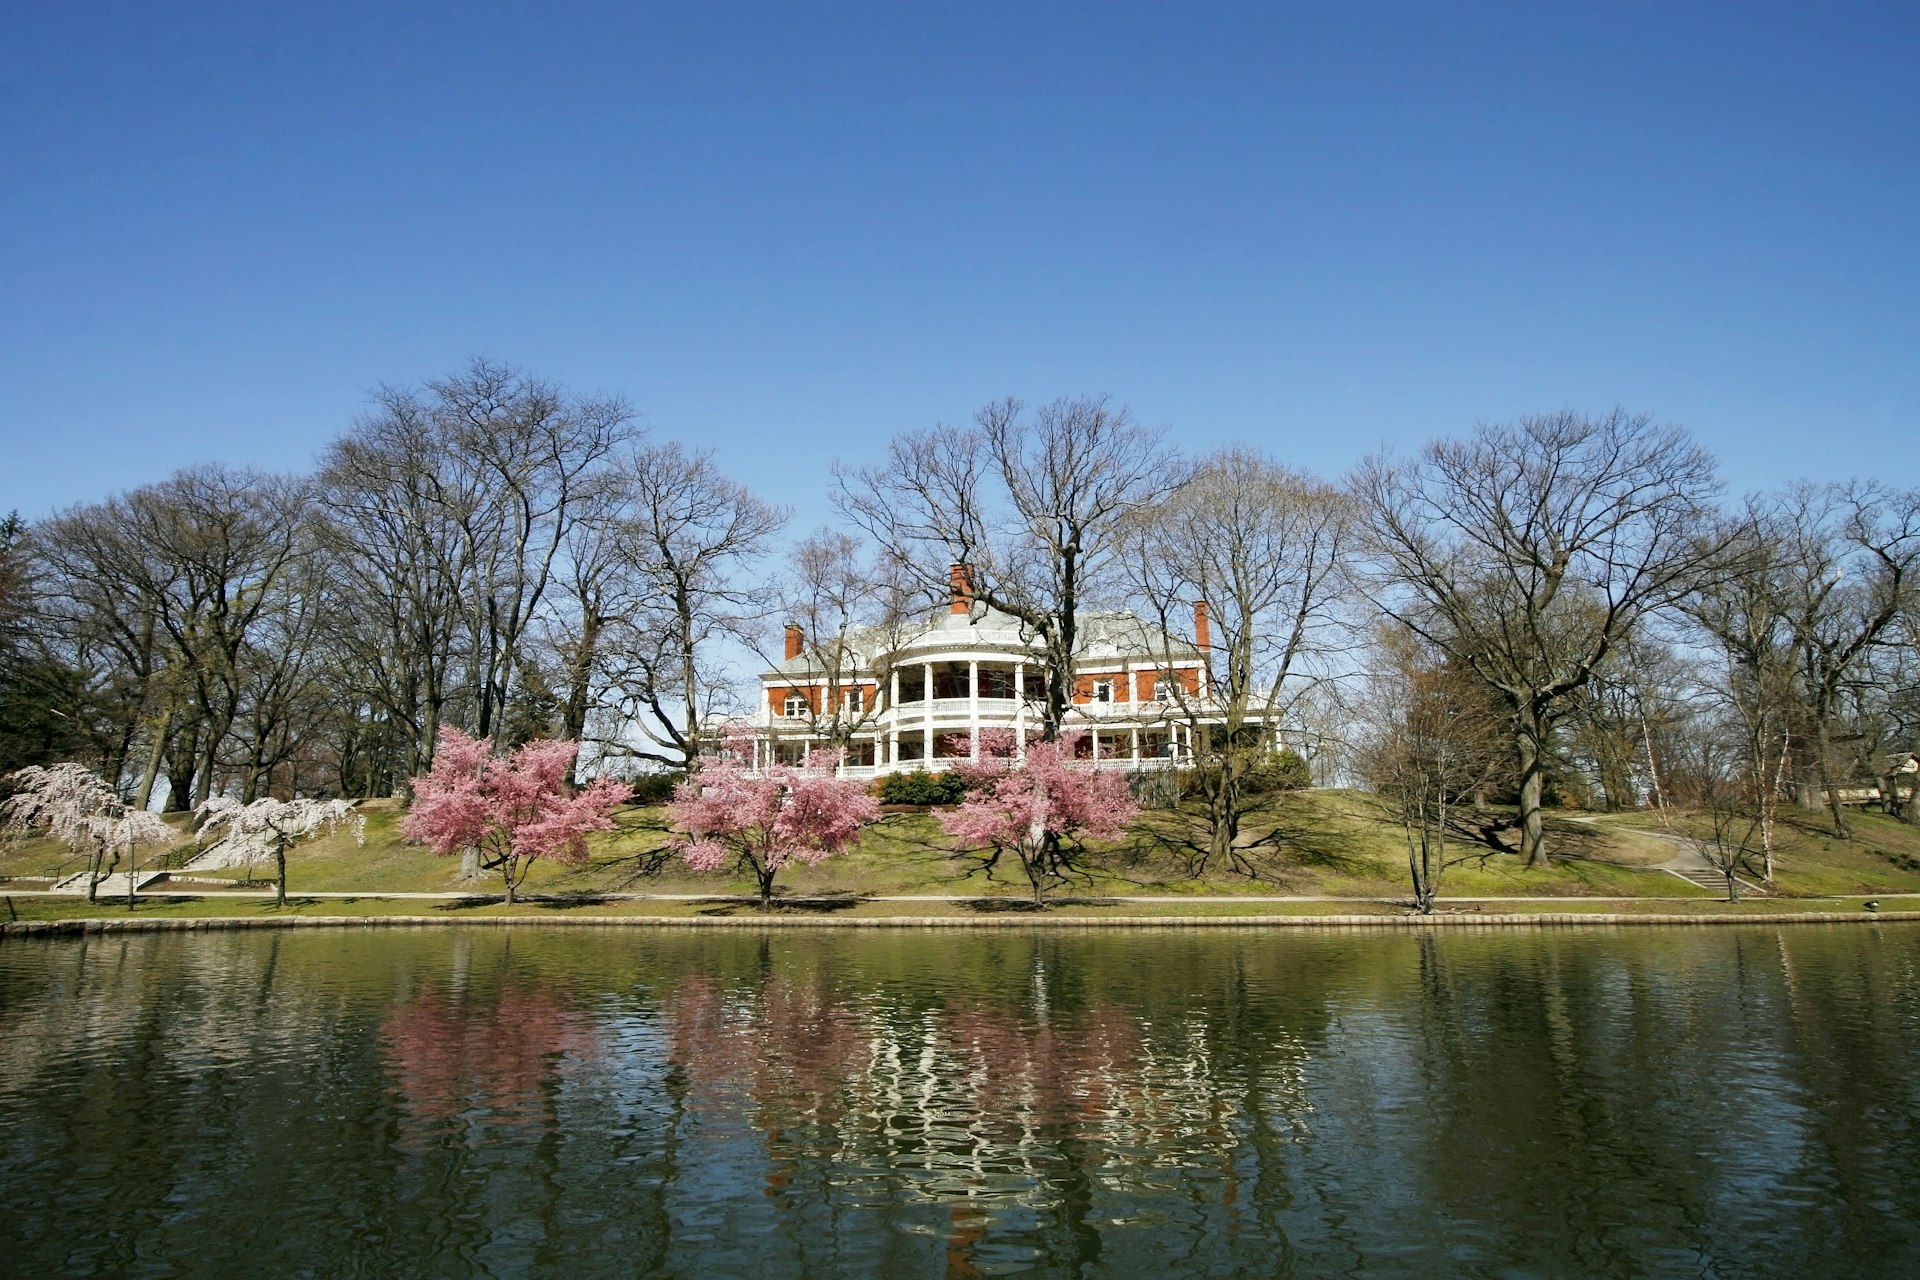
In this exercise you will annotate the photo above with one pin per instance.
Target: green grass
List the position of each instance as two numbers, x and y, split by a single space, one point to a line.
1321 843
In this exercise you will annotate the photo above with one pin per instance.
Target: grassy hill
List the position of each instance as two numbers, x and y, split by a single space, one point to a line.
1318 843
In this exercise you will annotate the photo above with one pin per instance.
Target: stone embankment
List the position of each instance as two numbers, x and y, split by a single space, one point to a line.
56 928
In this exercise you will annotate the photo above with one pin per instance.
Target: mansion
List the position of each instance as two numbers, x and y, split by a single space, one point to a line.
918 698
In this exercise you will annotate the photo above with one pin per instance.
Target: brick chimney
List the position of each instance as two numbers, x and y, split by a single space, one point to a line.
960 579
1202 630
795 640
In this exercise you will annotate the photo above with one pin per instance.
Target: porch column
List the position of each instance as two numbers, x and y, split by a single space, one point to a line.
1093 737
973 708
1020 708
1134 734
888 749
926 724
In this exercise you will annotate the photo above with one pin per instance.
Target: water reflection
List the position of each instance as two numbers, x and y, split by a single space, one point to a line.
635 1103
459 1061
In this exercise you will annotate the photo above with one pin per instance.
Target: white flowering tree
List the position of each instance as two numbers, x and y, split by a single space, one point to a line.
79 809
273 826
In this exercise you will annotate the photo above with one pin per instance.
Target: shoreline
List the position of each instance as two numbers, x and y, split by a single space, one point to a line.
1531 920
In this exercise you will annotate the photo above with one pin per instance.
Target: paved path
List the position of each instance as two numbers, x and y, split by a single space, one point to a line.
1688 862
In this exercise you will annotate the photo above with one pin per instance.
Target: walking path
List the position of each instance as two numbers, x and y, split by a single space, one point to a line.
1690 864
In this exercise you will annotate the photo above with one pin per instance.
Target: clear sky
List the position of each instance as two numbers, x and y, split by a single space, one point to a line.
788 231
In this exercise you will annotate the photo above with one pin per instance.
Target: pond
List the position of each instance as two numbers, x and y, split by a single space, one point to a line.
631 1101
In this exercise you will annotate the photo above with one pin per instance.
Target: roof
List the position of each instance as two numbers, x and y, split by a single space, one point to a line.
1106 634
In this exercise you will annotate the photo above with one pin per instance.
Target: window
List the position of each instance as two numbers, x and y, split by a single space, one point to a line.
1166 689
796 704
853 701
1103 691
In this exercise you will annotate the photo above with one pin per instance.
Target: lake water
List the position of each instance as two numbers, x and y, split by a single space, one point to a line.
627 1102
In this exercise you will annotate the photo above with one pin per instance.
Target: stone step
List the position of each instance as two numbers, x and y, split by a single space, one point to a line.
109 886
1712 881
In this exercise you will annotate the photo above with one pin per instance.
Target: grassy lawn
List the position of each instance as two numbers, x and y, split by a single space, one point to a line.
1321 843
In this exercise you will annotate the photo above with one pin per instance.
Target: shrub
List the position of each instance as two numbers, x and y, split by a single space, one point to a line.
1273 771
656 788
921 787
1285 770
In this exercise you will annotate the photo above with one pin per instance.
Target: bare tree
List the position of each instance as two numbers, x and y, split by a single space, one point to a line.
1744 619
1847 558
1033 506
220 544
98 615
1526 552
846 610
451 511
1719 787
1617 720
1428 748
535 450
168 586
399 571
1245 565
690 533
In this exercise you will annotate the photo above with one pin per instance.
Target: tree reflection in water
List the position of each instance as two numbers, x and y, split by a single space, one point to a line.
1149 1103
460 1057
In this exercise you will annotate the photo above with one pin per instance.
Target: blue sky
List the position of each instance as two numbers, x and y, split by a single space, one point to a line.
788 231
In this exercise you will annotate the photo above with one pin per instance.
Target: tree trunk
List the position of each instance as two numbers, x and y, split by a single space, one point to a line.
1825 762
580 677
155 754
1224 821
1530 743
280 873
180 762
766 887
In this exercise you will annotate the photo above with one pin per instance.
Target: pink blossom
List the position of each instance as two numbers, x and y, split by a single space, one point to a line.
728 814
1032 807
515 809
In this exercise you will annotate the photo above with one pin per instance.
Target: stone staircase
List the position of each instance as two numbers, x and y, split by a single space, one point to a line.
110 886
1712 881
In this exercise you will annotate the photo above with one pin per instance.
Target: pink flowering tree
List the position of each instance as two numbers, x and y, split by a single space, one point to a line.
269 826
514 809
81 810
730 816
1041 809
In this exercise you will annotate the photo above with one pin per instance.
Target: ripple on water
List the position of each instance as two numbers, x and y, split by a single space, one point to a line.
1593 1102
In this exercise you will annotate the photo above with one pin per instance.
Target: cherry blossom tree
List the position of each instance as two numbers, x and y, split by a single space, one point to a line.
273 826
729 815
514 809
1042 808
80 810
